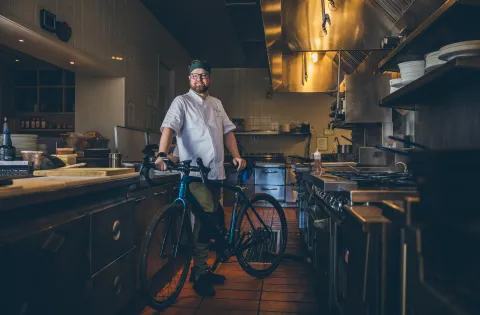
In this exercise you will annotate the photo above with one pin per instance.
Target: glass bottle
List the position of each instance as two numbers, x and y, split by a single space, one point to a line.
7 150
317 157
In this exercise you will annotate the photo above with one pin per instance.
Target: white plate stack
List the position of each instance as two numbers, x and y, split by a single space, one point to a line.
395 84
411 70
462 49
23 143
432 62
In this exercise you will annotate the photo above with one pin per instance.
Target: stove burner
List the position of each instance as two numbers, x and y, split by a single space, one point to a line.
376 179
277 154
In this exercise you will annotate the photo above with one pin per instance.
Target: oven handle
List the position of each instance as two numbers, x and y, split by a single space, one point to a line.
268 188
269 172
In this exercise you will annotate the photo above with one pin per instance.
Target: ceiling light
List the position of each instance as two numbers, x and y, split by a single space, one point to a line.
17 60
117 58
72 63
21 40
314 57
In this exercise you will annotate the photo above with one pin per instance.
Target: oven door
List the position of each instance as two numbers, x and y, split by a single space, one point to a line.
338 266
320 230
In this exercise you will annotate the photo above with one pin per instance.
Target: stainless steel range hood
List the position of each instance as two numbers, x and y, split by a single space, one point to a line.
305 59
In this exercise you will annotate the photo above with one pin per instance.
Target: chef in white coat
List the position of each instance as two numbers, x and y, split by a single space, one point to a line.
202 129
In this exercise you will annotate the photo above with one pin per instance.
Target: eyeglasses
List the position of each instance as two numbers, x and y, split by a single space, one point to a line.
197 76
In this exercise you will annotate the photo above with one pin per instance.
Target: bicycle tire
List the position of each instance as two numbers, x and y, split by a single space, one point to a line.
150 232
284 230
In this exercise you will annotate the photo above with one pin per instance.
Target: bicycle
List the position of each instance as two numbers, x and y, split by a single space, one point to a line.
251 247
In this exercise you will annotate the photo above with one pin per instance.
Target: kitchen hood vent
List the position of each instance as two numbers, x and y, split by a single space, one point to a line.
350 60
394 8
340 35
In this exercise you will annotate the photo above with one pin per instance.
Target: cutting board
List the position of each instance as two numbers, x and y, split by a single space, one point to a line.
86 172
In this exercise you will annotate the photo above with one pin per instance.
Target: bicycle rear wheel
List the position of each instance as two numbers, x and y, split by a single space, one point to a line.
162 274
263 257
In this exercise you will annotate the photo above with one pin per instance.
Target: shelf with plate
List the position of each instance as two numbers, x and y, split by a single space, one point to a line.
35 130
270 133
454 21
431 85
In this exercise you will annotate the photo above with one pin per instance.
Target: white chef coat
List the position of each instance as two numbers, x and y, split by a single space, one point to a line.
199 126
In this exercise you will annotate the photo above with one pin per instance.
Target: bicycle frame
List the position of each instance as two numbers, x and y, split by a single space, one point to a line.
185 197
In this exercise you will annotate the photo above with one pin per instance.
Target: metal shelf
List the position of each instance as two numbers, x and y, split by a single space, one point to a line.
454 21
270 133
44 130
430 87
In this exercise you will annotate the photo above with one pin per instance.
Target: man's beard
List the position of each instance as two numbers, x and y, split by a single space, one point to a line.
202 88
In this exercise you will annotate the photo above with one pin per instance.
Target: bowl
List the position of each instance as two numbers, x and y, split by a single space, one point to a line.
412 69
64 151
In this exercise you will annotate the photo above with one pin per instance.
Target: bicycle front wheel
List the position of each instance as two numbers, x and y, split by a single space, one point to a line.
261 231
165 256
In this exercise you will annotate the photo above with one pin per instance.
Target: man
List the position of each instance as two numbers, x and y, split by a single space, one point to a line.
203 129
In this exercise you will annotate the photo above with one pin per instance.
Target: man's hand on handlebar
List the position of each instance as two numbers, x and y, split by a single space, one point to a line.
163 162
160 164
239 163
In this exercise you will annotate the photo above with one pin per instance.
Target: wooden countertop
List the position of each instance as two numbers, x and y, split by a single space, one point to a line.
43 189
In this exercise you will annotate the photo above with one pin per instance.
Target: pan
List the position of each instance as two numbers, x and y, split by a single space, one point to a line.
446 179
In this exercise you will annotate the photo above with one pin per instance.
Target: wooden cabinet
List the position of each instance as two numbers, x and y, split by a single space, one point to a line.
82 260
113 287
82 265
112 234
46 271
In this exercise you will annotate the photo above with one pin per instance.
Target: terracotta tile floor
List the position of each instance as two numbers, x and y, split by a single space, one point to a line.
287 291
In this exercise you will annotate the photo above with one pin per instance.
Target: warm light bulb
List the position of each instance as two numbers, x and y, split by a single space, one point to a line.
72 62
314 57
21 40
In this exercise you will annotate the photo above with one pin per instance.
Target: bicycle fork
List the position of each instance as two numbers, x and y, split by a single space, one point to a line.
167 233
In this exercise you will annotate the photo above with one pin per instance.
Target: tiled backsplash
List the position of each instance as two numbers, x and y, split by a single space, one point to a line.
243 93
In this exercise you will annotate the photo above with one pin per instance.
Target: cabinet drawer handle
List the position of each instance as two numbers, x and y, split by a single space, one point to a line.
116 230
160 193
117 285
139 200
268 172
267 188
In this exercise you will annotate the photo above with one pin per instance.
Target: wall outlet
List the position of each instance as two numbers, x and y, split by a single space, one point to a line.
328 132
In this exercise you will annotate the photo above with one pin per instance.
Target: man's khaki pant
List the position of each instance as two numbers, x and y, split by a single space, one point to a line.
208 197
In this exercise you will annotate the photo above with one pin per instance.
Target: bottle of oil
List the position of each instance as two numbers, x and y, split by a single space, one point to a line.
7 150
317 158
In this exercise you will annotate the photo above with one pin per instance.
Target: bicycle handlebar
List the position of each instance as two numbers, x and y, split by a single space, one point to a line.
149 159
183 166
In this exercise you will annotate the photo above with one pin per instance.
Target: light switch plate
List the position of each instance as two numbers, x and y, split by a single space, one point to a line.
328 132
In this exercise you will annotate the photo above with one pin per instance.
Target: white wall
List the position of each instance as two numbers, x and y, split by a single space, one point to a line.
99 105
101 29
243 93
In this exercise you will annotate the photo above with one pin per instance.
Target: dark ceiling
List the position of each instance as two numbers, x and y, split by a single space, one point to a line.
228 33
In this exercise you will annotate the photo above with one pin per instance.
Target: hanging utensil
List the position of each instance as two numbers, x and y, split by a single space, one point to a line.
343 148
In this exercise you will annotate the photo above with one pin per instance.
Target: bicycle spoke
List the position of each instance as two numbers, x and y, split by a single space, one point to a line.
261 250
165 260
